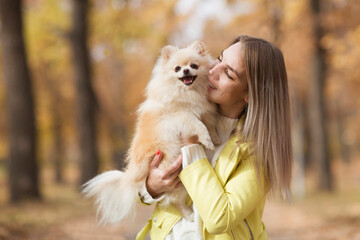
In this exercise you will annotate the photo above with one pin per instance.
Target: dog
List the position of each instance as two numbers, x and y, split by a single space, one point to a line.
176 108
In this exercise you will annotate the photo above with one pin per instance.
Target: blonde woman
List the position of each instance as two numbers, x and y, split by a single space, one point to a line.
249 85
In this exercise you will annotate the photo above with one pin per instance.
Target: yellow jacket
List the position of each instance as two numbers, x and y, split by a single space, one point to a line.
228 198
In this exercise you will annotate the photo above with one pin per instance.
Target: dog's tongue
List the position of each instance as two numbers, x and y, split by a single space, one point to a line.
187 80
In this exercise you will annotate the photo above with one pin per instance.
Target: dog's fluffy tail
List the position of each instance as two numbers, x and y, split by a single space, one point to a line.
115 196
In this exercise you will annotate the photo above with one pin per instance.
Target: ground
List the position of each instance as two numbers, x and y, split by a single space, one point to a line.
64 214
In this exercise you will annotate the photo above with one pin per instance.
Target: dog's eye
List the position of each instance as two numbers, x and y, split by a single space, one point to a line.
194 66
177 68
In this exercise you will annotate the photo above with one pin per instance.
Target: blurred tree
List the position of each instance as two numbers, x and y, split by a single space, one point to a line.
342 21
319 152
58 153
86 100
23 169
57 124
274 11
48 48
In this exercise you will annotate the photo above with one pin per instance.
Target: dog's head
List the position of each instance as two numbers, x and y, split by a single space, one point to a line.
186 64
181 73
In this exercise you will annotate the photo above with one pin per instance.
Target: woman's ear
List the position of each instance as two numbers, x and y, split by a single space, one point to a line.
246 98
167 51
199 46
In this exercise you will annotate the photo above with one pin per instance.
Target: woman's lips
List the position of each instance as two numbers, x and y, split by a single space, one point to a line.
211 86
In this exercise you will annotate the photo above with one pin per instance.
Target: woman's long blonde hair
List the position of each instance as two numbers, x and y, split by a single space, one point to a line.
267 121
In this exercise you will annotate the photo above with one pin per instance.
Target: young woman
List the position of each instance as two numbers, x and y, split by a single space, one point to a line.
249 84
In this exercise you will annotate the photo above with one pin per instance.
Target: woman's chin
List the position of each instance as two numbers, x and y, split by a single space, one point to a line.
212 99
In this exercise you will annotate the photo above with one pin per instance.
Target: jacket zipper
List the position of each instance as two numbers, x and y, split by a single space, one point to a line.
232 235
247 225
251 234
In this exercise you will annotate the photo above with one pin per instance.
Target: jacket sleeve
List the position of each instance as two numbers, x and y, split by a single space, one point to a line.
222 208
145 198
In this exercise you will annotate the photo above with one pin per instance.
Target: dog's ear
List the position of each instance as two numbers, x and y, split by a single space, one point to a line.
199 46
167 51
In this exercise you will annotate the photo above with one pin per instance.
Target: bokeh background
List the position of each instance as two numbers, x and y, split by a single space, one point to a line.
72 73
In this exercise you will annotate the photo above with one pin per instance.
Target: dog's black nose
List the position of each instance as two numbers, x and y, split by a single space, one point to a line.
186 71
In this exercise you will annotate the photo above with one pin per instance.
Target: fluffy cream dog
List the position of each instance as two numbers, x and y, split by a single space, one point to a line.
176 107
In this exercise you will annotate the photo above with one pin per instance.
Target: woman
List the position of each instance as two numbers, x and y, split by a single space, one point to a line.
249 84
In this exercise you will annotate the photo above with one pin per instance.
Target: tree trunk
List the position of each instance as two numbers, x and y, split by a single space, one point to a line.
275 10
56 157
298 140
344 149
57 128
85 95
58 147
23 169
319 152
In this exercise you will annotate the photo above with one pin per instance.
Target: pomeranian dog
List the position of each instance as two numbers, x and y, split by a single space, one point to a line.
176 108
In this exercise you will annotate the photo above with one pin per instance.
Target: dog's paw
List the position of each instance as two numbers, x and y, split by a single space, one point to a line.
187 214
190 217
215 139
206 141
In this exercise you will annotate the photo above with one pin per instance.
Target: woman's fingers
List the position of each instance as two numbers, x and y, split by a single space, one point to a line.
172 177
156 160
178 184
175 174
174 167
160 181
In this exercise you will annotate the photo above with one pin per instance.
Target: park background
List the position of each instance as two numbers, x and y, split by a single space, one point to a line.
72 73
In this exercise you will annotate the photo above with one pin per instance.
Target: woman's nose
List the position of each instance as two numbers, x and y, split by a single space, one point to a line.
213 71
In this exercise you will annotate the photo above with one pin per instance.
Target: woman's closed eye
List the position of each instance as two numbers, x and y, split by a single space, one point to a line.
227 74
226 70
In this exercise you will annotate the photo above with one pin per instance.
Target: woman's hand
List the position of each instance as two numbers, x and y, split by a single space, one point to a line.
161 181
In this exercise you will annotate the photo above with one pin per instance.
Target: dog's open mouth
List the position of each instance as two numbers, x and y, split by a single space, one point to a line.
188 80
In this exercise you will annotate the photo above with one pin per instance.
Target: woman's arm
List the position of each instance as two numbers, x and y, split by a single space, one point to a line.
224 206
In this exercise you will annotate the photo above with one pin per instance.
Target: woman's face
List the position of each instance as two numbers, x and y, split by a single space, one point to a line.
227 82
